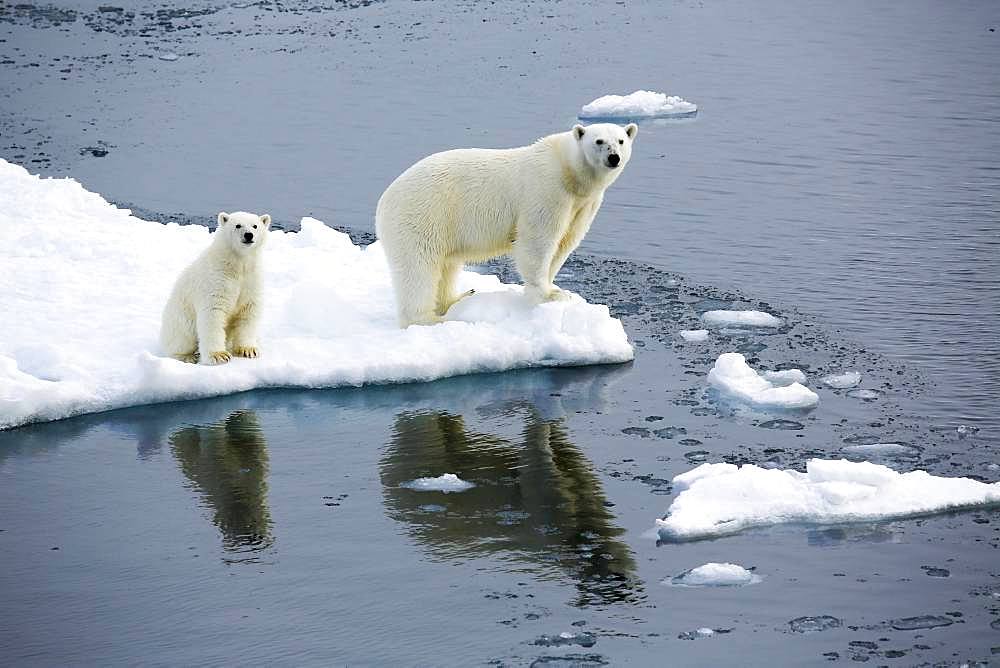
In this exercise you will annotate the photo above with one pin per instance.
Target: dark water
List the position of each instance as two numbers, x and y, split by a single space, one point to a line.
842 173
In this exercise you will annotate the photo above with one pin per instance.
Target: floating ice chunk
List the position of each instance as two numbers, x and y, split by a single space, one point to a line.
169 56
785 377
842 381
732 376
328 317
640 104
887 450
740 319
865 394
694 335
449 482
715 575
723 499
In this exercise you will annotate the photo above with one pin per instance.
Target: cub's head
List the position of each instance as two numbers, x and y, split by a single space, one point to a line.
606 146
243 232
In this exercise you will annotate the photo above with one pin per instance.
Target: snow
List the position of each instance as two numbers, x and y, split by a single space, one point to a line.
842 381
694 335
715 575
640 104
84 283
785 377
448 482
721 499
733 377
740 319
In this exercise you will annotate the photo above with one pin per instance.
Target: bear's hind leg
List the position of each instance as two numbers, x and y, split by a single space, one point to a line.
415 283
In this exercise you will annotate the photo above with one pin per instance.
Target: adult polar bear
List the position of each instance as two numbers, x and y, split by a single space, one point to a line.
469 205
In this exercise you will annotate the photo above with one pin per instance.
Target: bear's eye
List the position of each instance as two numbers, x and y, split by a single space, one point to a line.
621 141
599 142
255 227
238 226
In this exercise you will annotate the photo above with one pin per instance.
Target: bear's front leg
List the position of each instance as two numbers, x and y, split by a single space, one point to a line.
533 258
212 336
242 331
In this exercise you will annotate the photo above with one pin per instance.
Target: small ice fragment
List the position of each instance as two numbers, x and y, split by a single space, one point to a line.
640 104
705 631
694 335
842 381
449 482
169 56
920 622
814 624
715 575
965 430
740 319
866 395
732 376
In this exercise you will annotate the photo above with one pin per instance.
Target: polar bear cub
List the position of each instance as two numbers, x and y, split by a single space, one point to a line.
535 203
213 309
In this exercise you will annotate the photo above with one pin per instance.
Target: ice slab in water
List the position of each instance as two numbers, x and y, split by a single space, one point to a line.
733 377
721 499
694 335
842 381
740 319
715 575
637 105
448 482
328 314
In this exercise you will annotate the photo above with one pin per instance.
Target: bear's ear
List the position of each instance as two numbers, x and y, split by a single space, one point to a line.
631 129
223 218
578 131
266 219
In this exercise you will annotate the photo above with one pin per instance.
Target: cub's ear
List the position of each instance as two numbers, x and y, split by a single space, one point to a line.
223 218
631 129
578 131
266 219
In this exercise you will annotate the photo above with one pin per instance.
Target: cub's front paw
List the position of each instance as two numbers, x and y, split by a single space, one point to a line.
245 351
217 357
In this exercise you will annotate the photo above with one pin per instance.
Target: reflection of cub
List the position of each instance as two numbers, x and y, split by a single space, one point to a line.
213 309
227 462
536 499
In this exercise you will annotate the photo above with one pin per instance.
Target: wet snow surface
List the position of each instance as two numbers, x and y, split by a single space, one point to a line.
275 527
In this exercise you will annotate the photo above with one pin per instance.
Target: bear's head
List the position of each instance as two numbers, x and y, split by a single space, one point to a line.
243 232
605 146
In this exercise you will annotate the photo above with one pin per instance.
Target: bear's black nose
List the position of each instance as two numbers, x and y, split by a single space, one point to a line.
613 160
247 237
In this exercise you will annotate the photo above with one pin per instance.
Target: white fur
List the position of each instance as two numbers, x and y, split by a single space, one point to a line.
535 203
213 309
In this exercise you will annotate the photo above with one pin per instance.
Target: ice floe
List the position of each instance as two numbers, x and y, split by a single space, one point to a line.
720 499
448 482
733 377
694 335
842 381
637 105
740 319
84 283
715 575
785 377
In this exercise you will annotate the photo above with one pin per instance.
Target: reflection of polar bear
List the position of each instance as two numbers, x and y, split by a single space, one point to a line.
212 311
535 202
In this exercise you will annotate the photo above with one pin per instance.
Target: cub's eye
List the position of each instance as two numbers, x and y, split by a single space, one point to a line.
255 227
599 142
238 226
621 141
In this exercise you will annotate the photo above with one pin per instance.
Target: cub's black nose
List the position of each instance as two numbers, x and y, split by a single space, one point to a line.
247 237
613 160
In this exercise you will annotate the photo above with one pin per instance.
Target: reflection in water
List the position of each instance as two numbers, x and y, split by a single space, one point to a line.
535 500
227 463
